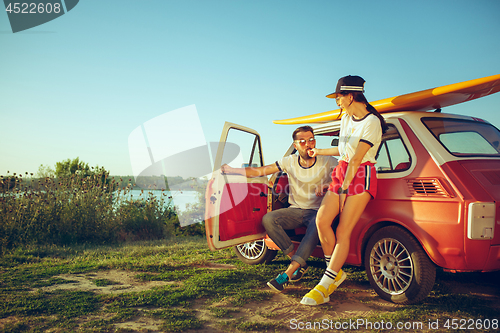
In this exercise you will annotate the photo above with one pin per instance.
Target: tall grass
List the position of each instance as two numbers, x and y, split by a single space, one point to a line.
78 209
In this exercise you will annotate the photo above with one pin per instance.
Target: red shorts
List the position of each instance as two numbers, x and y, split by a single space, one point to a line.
364 180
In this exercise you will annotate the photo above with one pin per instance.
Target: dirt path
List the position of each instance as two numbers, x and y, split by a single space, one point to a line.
352 300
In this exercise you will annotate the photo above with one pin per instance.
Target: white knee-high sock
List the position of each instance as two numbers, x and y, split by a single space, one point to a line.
328 278
327 260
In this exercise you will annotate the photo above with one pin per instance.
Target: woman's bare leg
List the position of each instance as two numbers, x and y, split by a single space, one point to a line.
327 212
333 277
353 208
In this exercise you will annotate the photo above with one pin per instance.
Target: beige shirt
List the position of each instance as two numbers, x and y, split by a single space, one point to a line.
304 181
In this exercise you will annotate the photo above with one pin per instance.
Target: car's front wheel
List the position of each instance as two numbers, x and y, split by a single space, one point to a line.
254 253
397 266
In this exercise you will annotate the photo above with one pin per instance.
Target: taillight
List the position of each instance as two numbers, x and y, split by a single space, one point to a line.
481 220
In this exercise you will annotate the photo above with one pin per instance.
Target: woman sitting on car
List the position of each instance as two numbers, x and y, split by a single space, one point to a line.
354 181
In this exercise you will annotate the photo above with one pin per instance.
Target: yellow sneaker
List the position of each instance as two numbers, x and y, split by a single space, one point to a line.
316 296
320 295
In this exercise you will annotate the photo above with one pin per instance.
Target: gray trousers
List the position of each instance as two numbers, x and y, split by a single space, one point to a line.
277 221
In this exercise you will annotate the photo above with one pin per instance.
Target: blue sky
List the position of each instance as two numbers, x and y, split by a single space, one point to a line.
79 85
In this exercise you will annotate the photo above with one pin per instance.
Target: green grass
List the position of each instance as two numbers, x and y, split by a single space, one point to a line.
104 282
193 295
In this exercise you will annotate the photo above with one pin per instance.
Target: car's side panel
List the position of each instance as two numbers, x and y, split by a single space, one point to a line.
434 219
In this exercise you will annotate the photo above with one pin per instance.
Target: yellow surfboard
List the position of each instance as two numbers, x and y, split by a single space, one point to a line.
424 100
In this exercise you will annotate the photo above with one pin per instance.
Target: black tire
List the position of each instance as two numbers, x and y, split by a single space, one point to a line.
254 253
397 267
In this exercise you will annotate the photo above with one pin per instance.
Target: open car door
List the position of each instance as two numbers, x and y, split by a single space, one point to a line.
235 204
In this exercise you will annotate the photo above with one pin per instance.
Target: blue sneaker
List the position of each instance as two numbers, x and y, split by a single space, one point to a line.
279 283
299 273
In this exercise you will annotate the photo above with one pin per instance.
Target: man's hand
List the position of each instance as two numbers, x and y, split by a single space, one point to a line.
226 169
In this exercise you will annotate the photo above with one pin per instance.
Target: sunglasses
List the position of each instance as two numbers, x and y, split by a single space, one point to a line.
304 141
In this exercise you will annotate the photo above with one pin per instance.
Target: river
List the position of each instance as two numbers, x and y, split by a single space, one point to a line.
179 199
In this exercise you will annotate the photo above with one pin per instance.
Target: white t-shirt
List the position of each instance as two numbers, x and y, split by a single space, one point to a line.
352 131
304 181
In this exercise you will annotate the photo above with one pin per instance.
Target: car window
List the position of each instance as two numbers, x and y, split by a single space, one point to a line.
243 151
326 140
465 137
392 155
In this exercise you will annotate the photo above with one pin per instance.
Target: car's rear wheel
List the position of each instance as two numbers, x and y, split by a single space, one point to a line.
254 253
397 266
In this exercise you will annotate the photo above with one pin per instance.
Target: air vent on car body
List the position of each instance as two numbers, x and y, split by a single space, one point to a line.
429 187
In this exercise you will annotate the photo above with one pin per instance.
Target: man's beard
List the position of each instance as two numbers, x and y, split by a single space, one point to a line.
304 155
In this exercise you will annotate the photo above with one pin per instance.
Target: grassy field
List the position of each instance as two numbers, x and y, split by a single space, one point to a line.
178 285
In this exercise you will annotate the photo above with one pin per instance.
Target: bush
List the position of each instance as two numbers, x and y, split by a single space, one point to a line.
80 208
58 211
146 219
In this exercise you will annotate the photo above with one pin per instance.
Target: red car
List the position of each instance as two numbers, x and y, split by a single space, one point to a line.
437 205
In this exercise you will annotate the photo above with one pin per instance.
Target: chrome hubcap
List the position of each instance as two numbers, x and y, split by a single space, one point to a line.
391 266
251 250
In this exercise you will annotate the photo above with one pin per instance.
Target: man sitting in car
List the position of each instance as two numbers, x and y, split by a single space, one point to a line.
308 179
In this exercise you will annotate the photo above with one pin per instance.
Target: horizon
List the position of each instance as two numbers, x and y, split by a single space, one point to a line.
92 83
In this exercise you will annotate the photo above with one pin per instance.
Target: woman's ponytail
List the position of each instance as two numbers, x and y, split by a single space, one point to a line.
360 97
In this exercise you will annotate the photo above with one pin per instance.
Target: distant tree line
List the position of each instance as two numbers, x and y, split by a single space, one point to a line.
159 182
70 167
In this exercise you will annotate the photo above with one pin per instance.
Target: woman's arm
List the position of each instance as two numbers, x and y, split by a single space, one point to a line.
334 151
